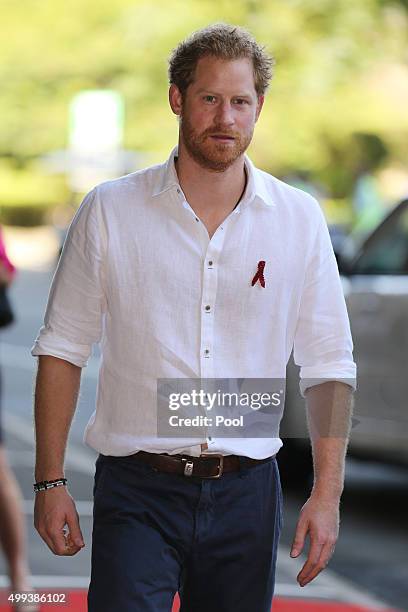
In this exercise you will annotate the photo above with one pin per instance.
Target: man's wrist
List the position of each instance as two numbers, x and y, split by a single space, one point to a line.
48 474
331 493
45 485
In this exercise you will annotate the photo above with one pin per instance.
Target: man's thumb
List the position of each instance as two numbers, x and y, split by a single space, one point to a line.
75 530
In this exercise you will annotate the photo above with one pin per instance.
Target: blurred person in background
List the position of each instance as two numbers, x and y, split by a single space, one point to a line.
12 525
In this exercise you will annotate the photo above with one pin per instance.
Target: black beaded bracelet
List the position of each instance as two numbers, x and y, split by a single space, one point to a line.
49 484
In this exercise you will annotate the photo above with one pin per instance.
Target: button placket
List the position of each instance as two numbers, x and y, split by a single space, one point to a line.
197 226
210 281
209 293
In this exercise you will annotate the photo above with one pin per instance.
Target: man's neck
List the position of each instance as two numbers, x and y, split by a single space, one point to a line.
207 191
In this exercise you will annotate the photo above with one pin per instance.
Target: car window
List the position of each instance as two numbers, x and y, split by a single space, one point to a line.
386 252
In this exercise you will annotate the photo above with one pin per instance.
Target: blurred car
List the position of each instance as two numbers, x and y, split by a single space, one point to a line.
375 283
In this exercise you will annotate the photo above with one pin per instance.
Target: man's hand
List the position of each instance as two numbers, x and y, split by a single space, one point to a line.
53 510
329 409
319 518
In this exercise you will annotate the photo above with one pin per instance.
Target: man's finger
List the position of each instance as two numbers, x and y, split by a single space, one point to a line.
74 529
71 547
324 557
299 539
311 561
56 533
46 539
50 541
58 541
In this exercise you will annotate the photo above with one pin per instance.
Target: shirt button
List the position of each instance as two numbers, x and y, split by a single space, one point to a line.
178 190
208 307
197 219
206 351
210 263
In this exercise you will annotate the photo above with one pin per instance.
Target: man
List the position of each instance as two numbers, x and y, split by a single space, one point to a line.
203 268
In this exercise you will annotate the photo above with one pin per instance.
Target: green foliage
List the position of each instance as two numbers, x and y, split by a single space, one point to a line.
333 58
27 195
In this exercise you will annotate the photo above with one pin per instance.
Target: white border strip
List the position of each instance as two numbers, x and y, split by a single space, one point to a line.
57 582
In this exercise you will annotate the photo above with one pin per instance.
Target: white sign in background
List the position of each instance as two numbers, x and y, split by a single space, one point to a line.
96 121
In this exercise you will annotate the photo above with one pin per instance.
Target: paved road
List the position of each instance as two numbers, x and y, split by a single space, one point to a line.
370 562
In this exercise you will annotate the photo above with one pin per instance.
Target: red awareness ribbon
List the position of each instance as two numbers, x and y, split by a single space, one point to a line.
259 274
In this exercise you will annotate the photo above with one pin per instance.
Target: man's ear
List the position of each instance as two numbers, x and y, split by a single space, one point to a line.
259 106
175 99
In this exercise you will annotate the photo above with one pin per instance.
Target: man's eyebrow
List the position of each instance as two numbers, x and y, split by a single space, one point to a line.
214 93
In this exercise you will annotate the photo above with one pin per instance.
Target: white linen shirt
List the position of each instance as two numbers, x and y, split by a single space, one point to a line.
136 274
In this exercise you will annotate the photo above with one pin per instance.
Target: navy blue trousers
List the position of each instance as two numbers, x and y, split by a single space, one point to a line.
213 541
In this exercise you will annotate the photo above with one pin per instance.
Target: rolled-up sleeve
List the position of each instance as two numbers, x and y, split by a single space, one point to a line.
323 346
73 319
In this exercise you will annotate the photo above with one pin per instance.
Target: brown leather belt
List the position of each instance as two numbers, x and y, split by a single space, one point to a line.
205 466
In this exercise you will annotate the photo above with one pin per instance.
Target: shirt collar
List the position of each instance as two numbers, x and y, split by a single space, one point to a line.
256 187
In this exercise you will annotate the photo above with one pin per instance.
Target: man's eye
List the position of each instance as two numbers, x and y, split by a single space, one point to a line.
209 98
241 101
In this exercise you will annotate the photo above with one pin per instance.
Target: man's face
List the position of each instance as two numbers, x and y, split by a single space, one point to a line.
218 111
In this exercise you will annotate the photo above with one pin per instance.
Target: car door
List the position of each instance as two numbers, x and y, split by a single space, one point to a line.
376 290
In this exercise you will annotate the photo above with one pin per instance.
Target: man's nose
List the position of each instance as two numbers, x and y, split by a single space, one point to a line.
225 114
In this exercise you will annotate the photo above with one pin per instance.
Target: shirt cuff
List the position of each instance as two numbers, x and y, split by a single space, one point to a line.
317 375
57 346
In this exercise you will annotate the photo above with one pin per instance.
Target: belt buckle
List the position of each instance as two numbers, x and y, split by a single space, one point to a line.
188 467
220 465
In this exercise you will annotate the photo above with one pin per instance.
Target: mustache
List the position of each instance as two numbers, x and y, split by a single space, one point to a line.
214 132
